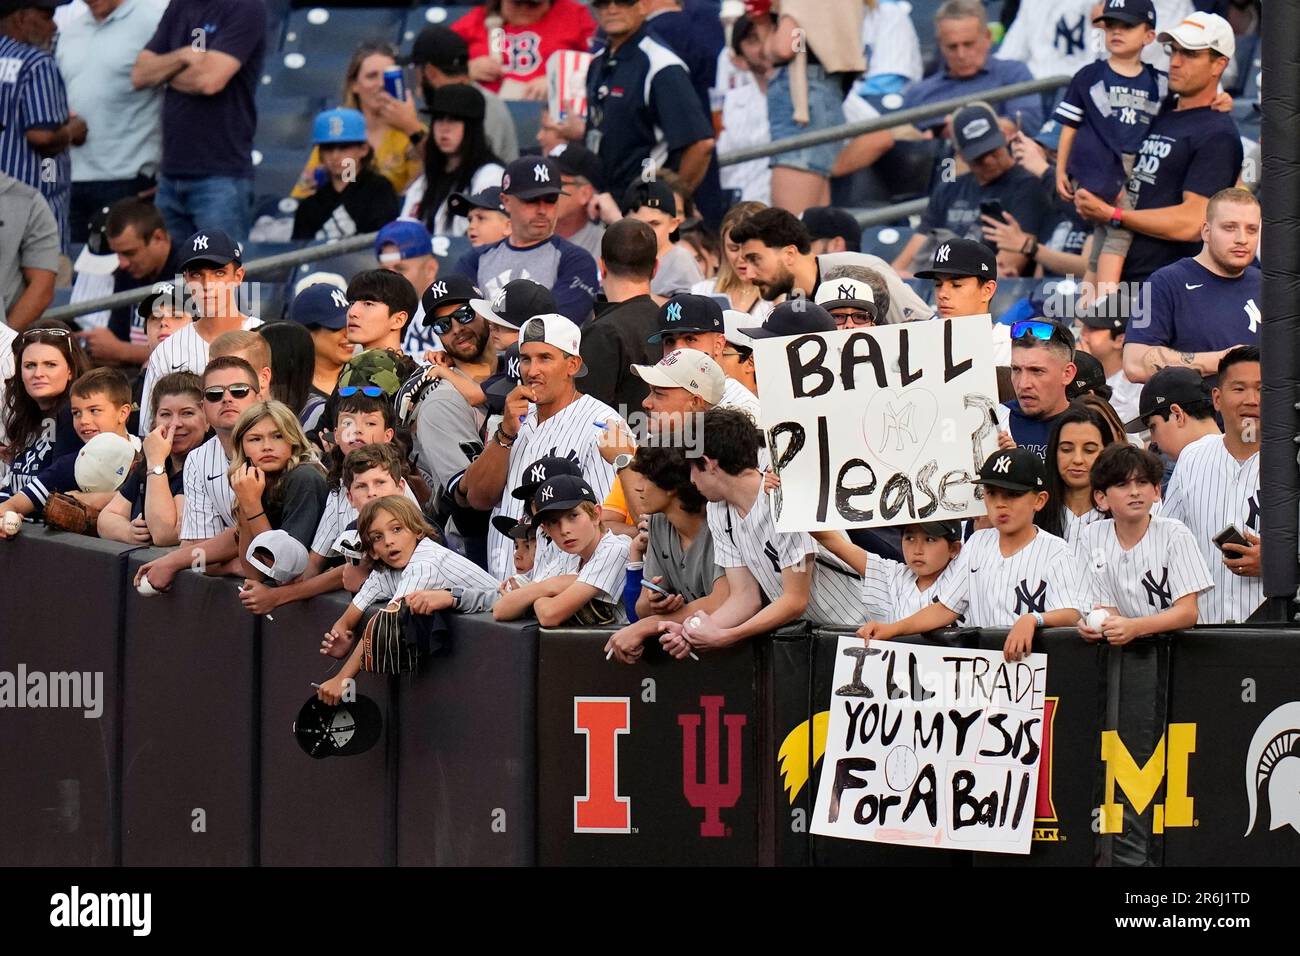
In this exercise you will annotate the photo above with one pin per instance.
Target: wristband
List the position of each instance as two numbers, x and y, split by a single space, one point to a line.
255 517
1117 216
1038 620
635 565
1030 247
502 439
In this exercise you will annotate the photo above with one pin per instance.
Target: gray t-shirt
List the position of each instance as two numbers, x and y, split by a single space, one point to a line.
301 503
31 238
691 573
677 272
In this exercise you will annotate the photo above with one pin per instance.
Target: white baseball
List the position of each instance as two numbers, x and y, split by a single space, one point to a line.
1097 617
146 589
13 522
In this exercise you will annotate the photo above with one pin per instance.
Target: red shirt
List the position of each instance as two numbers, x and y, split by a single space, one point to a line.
567 25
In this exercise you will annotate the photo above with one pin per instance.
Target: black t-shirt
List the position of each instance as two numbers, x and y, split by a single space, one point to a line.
1197 151
122 319
133 489
368 204
300 503
611 344
955 206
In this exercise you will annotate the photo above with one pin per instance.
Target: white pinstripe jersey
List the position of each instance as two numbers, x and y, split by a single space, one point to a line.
182 351
735 395
1074 525
606 569
550 560
570 433
336 517
1148 578
1209 491
209 499
992 591
889 591
753 542
432 567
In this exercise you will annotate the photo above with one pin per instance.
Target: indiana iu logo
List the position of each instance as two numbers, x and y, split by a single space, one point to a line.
602 720
712 795
1159 595
1026 602
200 242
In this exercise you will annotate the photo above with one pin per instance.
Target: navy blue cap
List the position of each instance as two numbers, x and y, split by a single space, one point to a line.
689 313
322 306
1128 11
210 245
460 204
531 177
450 289
544 469
560 494
962 257
798 317
1016 469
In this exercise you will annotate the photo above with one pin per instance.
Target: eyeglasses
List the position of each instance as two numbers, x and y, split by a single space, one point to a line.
843 319
370 391
464 315
1038 329
215 393
598 4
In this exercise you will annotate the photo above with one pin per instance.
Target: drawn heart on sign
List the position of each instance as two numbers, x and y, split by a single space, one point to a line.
897 425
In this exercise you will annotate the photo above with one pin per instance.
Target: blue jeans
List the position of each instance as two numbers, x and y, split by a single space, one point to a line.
209 202
825 109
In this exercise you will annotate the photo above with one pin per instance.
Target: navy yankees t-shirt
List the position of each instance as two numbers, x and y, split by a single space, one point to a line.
955 206
1112 114
1194 310
567 270
1031 433
1196 151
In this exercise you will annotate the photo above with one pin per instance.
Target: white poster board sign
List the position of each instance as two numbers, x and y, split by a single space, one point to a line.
879 426
932 746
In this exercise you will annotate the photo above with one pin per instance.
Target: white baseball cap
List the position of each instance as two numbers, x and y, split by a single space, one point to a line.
556 331
690 369
104 462
1202 31
844 293
735 324
288 556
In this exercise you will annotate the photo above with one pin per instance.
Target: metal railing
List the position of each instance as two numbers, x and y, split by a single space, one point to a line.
891 120
280 260
886 214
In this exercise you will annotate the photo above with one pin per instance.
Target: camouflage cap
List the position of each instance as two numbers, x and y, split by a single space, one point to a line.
373 367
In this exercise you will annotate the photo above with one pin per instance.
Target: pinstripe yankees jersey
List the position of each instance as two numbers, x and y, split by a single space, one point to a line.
550 560
182 351
1148 578
1074 525
606 569
431 568
336 518
1209 491
575 433
209 499
735 395
33 97
889 591
753 542
993 591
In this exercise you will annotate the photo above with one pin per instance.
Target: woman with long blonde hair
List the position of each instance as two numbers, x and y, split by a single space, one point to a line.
732 280
278 483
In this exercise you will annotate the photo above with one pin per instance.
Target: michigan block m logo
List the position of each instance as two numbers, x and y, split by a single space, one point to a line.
1169 763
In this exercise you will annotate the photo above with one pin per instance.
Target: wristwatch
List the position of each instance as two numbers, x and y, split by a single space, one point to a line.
456 594
1117 217
417 137
158 470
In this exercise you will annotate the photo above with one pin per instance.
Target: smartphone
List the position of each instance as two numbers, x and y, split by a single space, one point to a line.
993 209
1230 535
327 435
654 587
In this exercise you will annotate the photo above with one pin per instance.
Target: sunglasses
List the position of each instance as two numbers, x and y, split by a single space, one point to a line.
1038 329
370 391
600 4
463 315
58 333
215 393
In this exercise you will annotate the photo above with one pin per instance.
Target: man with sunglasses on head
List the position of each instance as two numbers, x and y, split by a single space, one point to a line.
207 524
212 264
530 191
1042 368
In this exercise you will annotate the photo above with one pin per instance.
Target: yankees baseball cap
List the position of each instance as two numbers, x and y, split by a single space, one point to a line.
737 325
442 47
410 237
96 258
844 293
1112 312
103 462
163 294
560 494
210 246
976 130
517 302
690 369
574 159
544 469
1049 135
460 204
278 555
829 222
520 530
962 257
798 317
688 313
1163 390
1088 375
1202 31
532 177
320 306
948 530
556 331
1016 469
350 728
448 290
1128 11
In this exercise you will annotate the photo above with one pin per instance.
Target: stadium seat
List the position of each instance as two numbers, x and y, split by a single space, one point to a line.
285 123
924 288
885 241
275 170
339 31
1010 291
424 15
292 75
908 167
1247 63
346 264
863 188
527 115
272 298
923 20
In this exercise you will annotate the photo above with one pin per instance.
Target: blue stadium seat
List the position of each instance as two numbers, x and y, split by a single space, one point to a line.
293 75
885 241
424 15
908 167
285 123
339 30
275 170
923 20
924 288
272 297
1247 59
527 115
346 264
61 296
1010 291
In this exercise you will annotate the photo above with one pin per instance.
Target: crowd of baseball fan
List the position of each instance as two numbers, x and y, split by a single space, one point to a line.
564 421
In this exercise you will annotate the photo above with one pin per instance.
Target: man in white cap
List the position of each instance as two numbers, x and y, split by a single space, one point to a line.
695 322
849 301
737 359
544 414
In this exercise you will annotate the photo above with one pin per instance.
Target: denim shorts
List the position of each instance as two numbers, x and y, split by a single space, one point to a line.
825 109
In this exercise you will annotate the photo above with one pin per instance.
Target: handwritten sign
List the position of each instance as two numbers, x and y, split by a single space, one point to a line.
932 746
879 426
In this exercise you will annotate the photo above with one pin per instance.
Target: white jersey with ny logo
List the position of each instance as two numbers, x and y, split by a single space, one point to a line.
753 542
575 432
1147 578
990 590
1209 491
